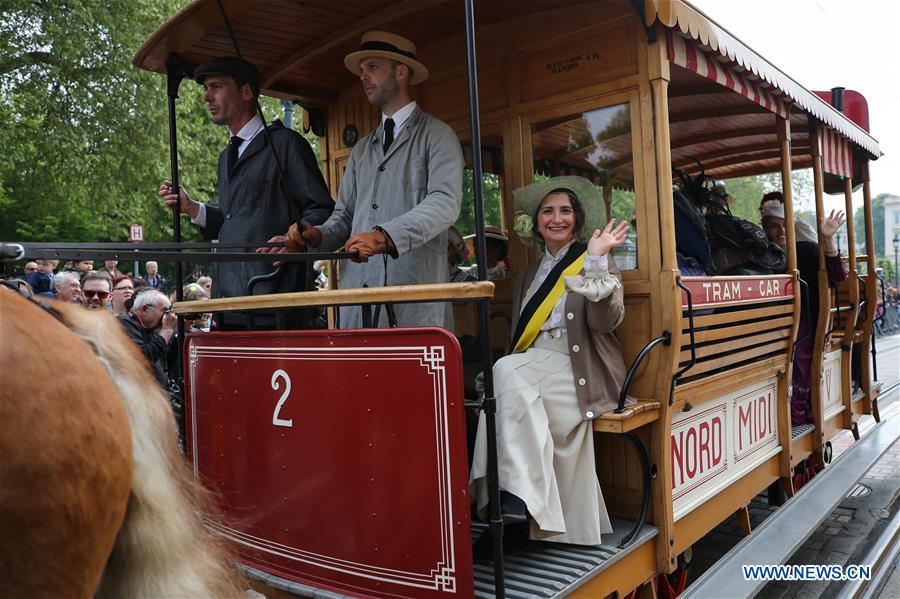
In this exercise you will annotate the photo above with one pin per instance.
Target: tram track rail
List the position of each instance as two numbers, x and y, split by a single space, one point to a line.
881 558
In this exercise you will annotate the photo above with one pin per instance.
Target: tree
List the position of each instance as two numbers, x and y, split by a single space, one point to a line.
748 191
86 132
859 221
84 129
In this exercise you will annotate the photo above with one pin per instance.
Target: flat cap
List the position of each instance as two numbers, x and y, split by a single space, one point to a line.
241 70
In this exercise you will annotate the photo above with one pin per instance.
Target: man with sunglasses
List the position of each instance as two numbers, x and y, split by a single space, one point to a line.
96 288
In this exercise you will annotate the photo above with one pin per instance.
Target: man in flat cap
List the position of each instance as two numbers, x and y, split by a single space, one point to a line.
401 191
257 199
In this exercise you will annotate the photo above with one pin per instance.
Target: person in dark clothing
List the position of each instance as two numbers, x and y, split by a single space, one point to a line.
257 200
151 324
808 265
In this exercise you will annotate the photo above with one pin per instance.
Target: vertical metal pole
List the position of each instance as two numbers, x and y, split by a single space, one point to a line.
489 405
174 75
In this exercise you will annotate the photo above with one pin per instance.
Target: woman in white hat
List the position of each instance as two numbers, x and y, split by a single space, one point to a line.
772 212
565 369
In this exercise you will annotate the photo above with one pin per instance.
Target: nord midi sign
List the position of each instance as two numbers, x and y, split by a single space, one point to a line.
720 441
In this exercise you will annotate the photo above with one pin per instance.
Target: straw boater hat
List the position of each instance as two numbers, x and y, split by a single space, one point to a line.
382 44
529 198
489 233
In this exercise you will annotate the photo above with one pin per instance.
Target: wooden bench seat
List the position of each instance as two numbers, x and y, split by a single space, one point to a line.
636 415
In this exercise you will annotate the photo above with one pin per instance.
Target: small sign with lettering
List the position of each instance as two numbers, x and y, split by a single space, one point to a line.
707 291
721 440
136 233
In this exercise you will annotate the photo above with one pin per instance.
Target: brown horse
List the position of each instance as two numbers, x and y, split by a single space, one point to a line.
95 496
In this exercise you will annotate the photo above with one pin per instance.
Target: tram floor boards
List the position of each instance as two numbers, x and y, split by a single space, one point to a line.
545 569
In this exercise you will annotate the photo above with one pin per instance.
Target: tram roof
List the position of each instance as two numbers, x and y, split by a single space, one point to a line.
299 48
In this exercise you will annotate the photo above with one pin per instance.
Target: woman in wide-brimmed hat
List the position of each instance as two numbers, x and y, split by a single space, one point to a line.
565 367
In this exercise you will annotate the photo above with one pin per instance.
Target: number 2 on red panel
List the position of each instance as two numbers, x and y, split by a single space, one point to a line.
276 420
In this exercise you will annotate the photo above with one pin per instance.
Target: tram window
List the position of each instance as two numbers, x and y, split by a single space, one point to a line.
596 145
492 186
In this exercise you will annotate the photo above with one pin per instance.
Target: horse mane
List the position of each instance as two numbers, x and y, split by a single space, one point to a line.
163 548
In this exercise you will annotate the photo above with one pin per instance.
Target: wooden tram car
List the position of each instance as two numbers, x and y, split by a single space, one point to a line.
340 456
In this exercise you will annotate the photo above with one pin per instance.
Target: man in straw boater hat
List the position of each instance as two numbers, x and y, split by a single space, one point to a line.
564 369
497 248
401 191
257 198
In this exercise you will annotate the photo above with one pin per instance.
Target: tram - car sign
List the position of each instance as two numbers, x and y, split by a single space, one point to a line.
340 456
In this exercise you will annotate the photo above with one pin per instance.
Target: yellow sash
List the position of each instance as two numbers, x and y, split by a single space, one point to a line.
543 311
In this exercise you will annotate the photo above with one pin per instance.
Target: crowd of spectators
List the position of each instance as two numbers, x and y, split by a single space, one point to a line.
142 305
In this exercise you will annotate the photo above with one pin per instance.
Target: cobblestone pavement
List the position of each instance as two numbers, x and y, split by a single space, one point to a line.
848 533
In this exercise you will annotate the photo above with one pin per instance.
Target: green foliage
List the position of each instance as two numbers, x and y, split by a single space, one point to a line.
86 133
859 223
748 191
84 129
493 203
890 274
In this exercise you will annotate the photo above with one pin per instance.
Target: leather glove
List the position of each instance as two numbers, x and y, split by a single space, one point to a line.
367 245
297 238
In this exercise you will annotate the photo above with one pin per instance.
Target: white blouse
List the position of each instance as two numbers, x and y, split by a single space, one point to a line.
595 283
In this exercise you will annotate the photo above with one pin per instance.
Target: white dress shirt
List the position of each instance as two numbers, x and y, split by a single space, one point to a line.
400 117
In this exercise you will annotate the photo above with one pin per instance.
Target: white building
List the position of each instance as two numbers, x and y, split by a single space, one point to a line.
891 226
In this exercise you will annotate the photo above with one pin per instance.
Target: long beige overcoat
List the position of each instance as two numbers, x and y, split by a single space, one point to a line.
413 192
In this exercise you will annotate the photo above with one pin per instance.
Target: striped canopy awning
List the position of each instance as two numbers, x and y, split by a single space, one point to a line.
687 21
837 154
690 55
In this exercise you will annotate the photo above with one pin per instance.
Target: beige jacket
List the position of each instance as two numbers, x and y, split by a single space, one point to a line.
597 363
413 192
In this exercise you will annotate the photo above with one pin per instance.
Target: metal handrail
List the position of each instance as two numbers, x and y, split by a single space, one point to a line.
863 305
804 286
690 308
665 339
646 476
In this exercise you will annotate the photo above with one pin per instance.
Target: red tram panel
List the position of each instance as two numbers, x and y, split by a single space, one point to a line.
339 456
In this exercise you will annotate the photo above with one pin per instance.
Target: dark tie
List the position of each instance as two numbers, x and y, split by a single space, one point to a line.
388 134
233 152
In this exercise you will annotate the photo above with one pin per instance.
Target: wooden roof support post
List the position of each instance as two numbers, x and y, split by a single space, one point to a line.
871 291
659 178
783 127
851 315
823 317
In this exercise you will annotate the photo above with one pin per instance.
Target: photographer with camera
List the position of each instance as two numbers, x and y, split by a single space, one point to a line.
151 323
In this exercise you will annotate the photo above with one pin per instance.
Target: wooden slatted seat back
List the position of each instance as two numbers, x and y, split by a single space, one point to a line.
737 321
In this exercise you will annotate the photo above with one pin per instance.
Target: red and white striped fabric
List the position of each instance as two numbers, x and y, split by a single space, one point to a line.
837 157
687 54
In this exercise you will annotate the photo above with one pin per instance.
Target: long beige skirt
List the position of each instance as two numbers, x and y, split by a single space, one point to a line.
545 449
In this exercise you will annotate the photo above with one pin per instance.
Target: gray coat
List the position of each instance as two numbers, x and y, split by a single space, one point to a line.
413 192
252 206
597 365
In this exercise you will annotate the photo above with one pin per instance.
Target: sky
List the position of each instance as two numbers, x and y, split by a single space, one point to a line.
827 43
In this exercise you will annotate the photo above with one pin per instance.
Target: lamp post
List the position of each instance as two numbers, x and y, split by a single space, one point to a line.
896 248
